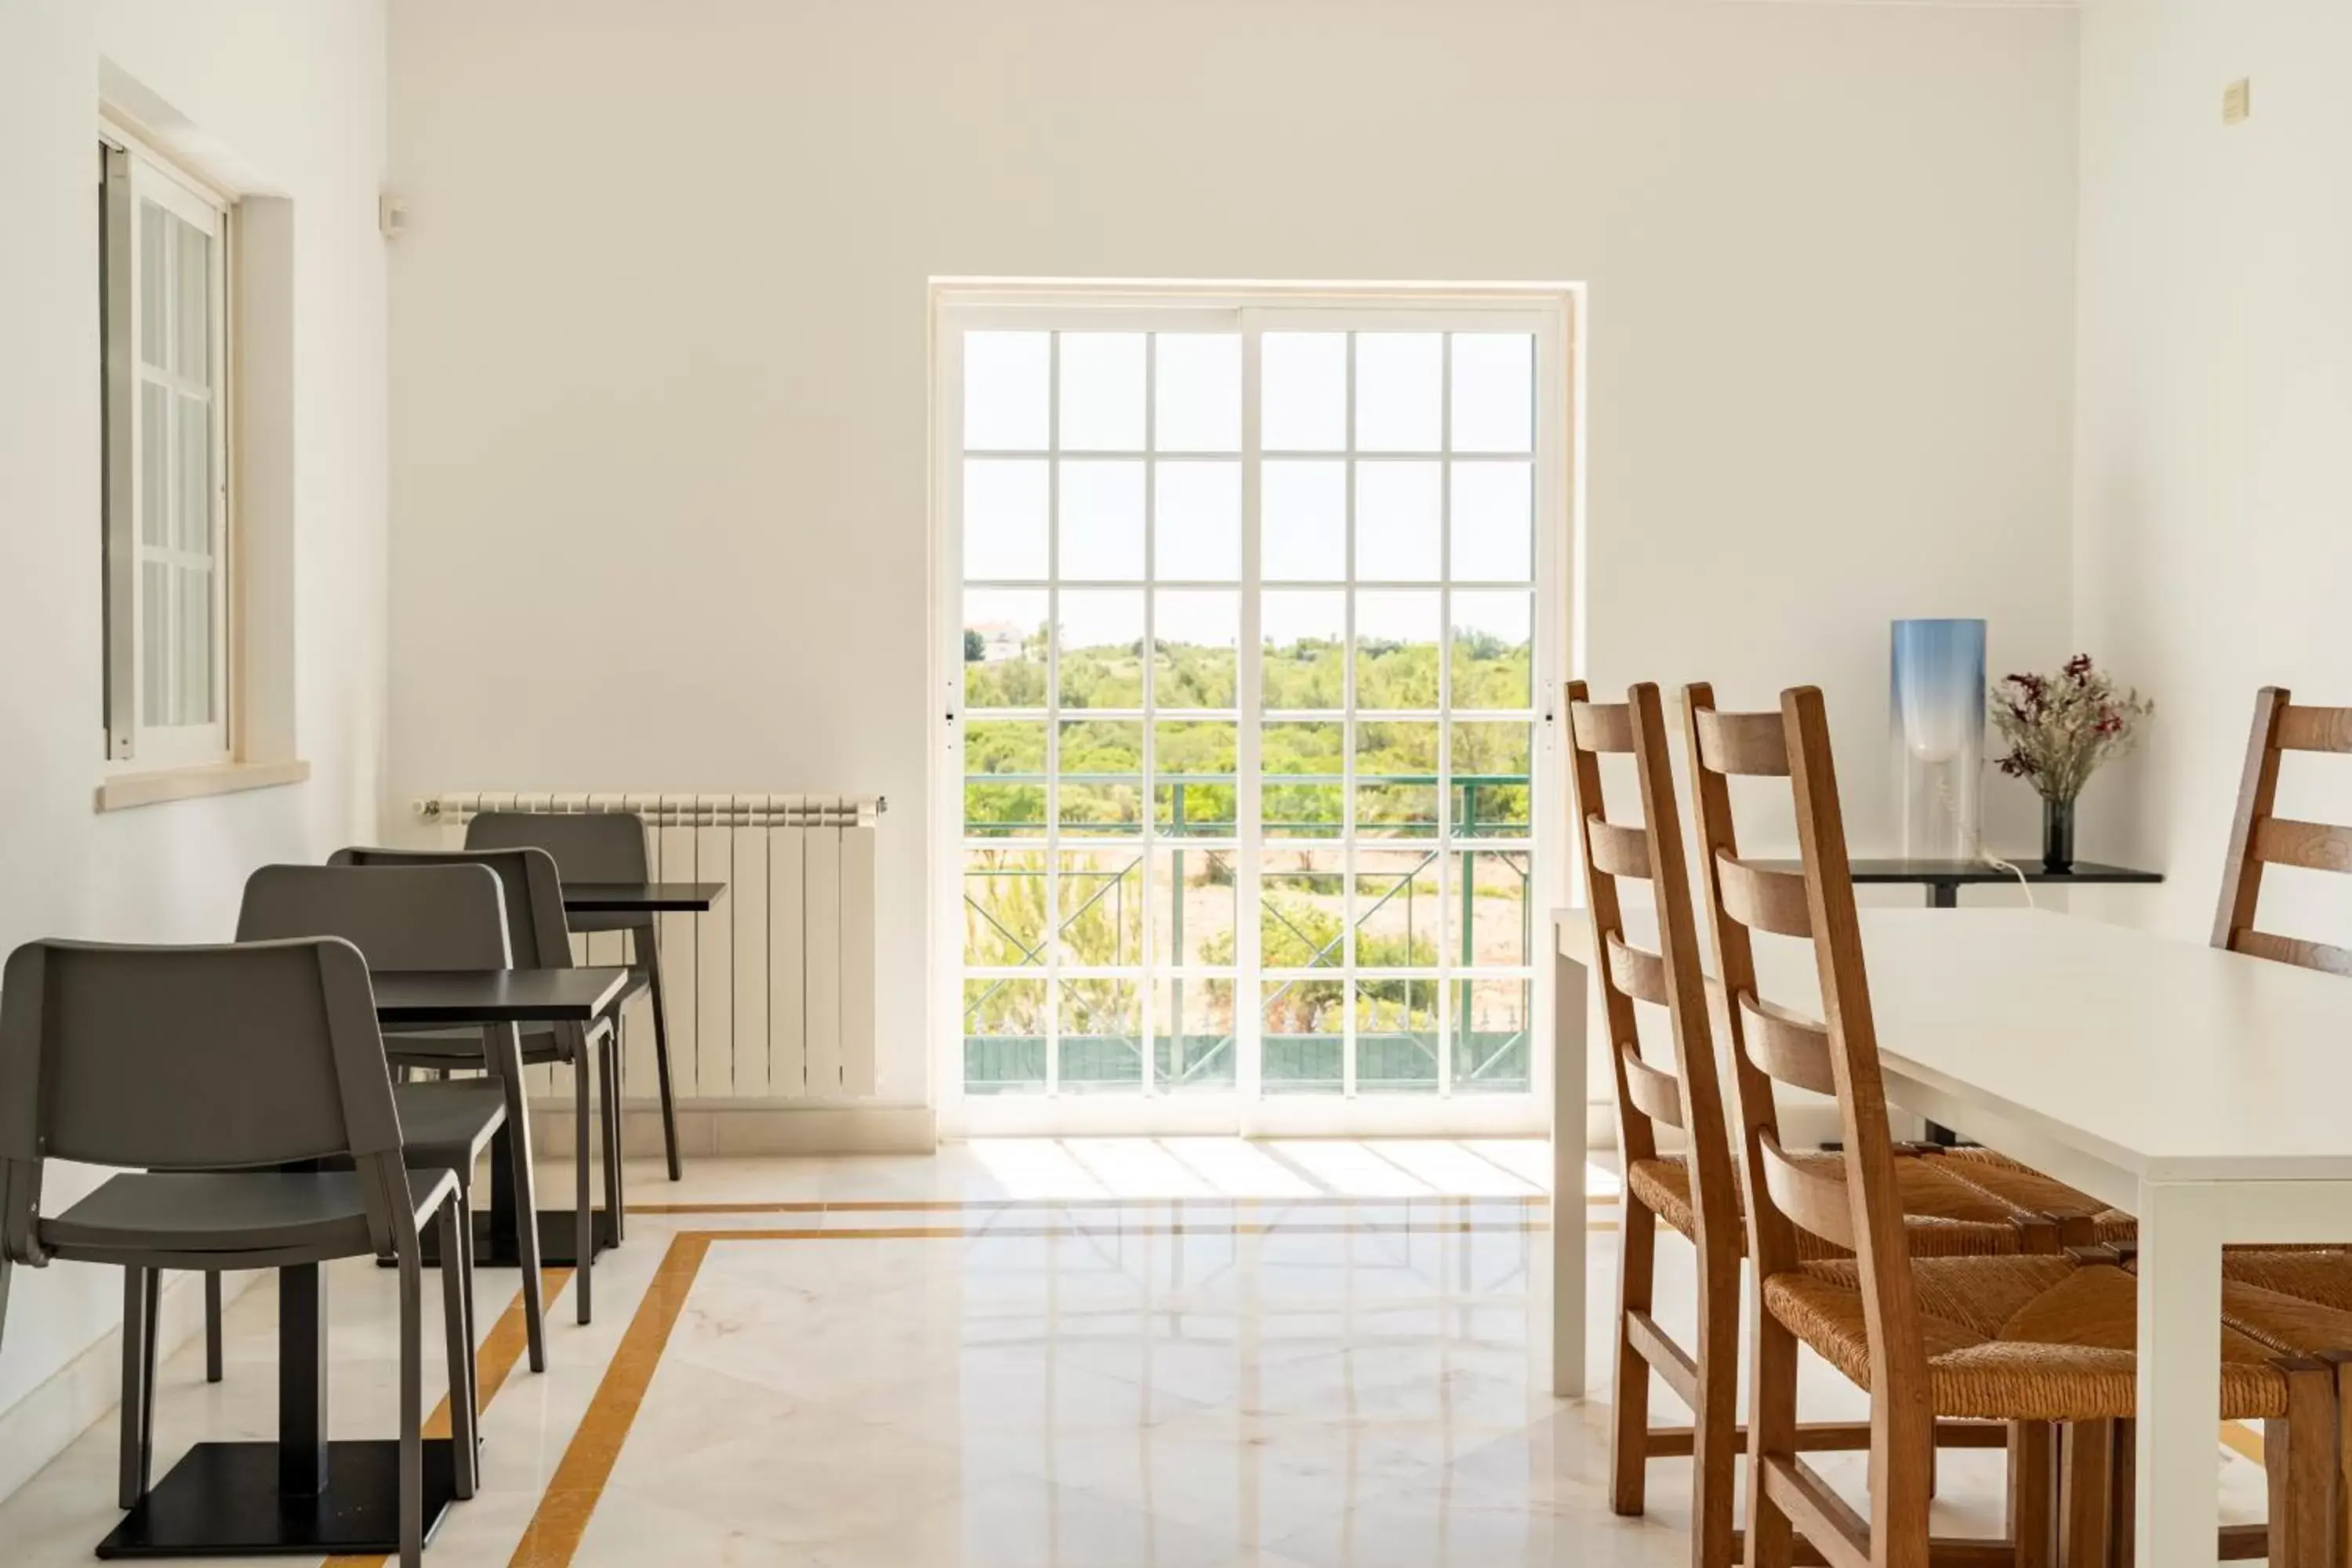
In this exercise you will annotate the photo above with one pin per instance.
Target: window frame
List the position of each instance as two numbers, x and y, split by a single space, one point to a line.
131 173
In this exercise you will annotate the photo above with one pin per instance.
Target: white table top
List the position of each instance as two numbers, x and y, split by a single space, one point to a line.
2161 1057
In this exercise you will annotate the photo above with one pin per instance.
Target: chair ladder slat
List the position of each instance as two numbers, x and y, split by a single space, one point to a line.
1764 900
1809 1199
1639 975
1790 1049
1752 745
1655 1094
1620 851
2314 846
2289 949
2315 730
1606 727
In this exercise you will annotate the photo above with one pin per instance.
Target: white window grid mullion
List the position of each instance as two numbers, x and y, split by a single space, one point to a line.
1348 740
1445 857
1148 806
1249 798
1052 791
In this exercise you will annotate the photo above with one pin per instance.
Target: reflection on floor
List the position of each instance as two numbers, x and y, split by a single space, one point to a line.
1026 1353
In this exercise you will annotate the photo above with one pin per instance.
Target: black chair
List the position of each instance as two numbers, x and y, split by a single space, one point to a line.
426 918
538 938
196 1067
599 847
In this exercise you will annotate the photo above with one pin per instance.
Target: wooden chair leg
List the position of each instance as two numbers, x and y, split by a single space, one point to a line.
2086 1494
1716 1435
2124 1489
1772 1435
2033 1493
1629 1452
2299 1456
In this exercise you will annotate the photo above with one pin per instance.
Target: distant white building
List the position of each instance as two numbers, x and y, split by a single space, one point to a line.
999 640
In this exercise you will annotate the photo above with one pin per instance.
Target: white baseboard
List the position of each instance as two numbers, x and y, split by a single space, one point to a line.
87 1389
721 1131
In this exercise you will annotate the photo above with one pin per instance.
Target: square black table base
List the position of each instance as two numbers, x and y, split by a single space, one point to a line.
223 1500
557 1231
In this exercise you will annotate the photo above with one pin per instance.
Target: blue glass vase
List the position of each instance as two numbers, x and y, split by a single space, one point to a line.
1936 697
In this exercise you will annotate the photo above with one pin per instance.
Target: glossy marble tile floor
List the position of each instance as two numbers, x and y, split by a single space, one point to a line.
1024 1354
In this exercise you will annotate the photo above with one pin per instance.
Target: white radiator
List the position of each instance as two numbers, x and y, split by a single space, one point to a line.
771 994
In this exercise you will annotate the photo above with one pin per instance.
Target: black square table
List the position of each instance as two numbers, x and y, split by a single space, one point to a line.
430 999
303 1495
640 898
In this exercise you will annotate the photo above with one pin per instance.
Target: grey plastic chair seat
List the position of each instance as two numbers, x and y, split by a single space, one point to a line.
446 1126
319 1212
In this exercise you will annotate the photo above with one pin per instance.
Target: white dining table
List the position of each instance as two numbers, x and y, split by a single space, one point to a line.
2207 1092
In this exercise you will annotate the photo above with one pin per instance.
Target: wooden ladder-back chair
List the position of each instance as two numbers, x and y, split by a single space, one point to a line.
1696 1192
2042 1343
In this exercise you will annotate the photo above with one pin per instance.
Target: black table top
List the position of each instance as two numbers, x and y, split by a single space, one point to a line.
640 898
498 995
1976 871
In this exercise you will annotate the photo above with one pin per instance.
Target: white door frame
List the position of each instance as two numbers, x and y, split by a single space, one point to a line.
1553 314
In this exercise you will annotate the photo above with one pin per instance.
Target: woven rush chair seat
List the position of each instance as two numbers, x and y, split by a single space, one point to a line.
2297 1301
1944 1216
2081 1217
2027 1338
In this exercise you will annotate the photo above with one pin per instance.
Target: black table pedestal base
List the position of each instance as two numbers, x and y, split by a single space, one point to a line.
558 1230
224 1500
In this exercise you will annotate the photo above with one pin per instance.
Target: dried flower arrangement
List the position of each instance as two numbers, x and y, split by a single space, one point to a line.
2061 728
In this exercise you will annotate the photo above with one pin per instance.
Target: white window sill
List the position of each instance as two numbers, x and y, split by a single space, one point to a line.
124 791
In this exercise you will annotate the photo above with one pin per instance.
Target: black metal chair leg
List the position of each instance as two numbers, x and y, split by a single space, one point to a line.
583 1111
141 1289
649 950
213 1368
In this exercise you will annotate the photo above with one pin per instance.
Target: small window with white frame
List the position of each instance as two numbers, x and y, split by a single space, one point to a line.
164 262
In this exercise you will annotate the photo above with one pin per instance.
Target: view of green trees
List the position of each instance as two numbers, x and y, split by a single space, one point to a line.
1102 759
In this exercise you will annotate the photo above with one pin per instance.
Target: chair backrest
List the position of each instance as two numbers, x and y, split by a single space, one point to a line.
179 1058
1672 978
1771 1044
2258 837
537 936
399 916
588 846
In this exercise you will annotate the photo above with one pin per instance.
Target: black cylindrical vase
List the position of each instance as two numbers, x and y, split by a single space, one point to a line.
2057 837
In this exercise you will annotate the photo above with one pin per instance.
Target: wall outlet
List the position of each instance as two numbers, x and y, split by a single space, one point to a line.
2237 102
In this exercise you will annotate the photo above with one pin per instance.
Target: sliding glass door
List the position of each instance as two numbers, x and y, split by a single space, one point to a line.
1246 637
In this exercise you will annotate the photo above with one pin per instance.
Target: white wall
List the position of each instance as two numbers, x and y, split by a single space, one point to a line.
660 379
292 91
2214 550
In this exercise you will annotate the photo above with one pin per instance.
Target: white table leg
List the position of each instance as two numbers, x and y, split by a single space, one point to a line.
1569 1073
2178 1509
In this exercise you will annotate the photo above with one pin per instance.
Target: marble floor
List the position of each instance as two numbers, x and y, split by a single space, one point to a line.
1023 1353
